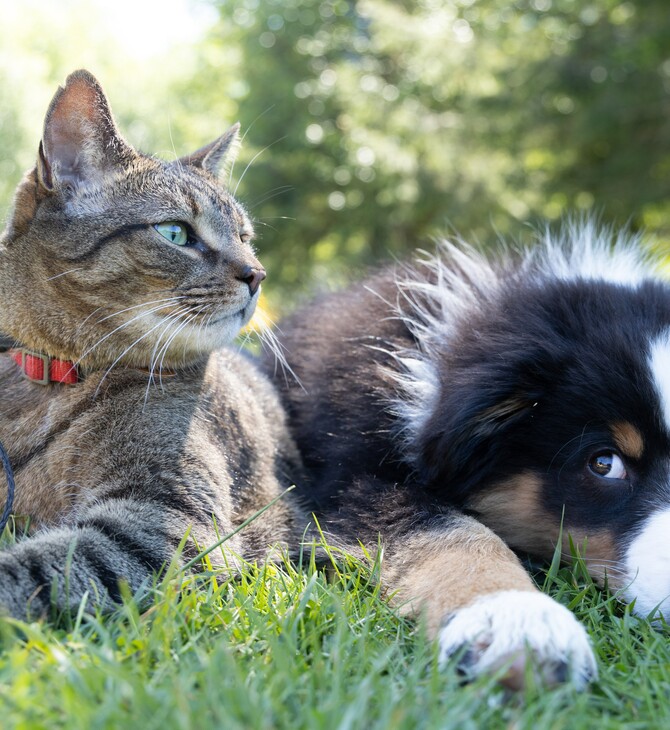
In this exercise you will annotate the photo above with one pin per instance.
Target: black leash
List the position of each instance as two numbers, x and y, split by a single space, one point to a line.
6 343
9 504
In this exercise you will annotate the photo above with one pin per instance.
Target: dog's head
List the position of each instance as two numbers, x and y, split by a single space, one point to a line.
549 410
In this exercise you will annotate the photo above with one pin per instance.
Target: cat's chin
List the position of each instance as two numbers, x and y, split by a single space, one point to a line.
248 312
241 318
191 343
221 331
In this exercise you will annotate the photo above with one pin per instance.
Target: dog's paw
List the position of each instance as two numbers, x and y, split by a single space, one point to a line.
519 631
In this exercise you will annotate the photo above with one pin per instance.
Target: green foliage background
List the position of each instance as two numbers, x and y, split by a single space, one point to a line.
374 126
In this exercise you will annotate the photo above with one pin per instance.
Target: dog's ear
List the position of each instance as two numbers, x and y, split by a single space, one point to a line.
462 443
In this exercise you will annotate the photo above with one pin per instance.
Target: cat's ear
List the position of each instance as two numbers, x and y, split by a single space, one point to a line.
80 140
216 155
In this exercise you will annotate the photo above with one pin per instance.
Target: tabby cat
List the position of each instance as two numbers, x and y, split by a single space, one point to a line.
120 276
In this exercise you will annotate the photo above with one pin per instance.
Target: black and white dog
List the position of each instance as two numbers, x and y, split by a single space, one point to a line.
464 405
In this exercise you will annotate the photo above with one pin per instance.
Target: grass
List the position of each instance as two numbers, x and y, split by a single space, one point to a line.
281 647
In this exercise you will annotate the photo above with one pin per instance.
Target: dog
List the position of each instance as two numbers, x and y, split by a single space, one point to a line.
465 407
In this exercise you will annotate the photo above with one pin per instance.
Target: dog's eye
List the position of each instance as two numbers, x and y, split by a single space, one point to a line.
608 464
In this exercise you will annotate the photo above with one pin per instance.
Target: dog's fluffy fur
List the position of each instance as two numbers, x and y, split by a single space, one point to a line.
465 404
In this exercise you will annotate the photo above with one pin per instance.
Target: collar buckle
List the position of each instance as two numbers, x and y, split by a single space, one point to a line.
29 366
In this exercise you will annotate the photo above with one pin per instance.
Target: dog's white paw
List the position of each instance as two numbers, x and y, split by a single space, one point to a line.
510 628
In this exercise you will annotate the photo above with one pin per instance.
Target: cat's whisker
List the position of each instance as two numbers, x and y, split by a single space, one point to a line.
155 352
271 194
133 319
154 368
244 136
262 221
85 320
170 339
174 149
198 334
151 379
125 352
178 325
261 324
269 340
246 337
165 323
80 326
120 327
64 273
187 323
168 323
137 306
253 159
265 331
266 225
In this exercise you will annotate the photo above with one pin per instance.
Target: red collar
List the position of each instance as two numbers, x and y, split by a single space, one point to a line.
43 369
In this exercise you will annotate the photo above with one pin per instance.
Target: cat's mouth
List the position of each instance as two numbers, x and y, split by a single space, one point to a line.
242 313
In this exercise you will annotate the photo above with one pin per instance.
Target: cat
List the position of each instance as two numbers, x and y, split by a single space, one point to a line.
121 277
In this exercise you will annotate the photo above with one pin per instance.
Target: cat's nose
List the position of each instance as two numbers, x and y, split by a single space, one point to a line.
252 276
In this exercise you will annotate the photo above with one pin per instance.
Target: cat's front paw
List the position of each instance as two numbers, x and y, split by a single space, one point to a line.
508 629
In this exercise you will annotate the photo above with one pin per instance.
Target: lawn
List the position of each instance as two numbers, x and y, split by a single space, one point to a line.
282 647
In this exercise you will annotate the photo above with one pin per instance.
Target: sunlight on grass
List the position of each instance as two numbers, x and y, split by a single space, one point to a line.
285 647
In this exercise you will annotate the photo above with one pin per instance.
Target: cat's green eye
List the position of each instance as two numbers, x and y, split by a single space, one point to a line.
174 232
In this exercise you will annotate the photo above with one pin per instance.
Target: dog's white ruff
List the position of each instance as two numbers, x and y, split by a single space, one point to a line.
647 563
443 291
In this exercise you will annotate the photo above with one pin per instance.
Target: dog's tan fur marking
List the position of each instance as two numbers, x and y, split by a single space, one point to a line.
443 569
628 439
513 511
599 550
500 412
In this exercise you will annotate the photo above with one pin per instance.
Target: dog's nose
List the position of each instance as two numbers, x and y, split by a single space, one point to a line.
252 276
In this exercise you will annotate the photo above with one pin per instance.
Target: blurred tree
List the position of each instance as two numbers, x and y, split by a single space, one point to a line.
41 43
374 125
389 122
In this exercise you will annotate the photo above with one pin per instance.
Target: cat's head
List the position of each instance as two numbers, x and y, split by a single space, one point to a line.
112 255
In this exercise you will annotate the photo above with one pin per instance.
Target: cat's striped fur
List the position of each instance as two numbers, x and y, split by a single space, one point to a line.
160 437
